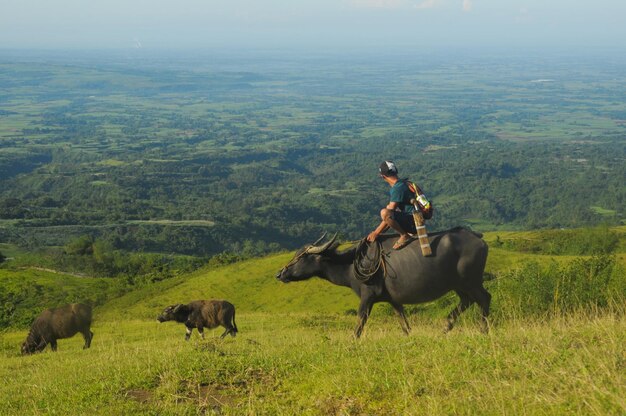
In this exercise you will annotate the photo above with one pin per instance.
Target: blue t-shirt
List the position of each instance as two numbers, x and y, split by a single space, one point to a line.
401 194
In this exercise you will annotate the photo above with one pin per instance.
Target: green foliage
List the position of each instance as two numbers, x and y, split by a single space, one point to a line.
581 242
206 161
97 257
594 283
80 246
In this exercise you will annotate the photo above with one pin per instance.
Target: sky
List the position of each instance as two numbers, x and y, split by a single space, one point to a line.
315 24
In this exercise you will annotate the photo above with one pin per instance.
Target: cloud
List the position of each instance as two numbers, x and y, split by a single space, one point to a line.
378 4
467 5
398 4
427 4
523 16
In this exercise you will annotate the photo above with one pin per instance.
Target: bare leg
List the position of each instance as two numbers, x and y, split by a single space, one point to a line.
405 237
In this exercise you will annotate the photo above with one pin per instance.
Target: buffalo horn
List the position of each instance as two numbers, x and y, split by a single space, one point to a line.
317 250
319 240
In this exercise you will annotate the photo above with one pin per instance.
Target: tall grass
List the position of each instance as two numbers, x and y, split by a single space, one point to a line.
553 289
290 364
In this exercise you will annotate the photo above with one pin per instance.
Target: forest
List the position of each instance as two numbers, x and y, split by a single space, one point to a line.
250 153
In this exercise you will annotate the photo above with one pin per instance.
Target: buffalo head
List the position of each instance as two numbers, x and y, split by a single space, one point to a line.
28 348
305 263
31 346
178 313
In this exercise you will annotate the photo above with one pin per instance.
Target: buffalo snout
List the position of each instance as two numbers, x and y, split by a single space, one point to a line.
280 276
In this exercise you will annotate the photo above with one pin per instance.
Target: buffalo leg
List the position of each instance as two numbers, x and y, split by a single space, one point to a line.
365 308
41 346
229 330
53 344
188 333
88 335
201 331
403 321
234 325
452 317
483 298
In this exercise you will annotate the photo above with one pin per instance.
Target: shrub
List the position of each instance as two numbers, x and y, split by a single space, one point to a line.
592 283
589 283
80 246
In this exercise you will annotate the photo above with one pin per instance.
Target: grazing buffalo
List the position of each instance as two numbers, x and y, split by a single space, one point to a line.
202 314
402 276
54 324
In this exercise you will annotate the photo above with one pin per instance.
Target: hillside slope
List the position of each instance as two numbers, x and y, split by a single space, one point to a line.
251 285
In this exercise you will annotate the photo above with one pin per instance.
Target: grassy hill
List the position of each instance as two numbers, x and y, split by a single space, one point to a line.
251 285
295 353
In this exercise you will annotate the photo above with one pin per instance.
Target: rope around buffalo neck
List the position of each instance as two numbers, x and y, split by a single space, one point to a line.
364 272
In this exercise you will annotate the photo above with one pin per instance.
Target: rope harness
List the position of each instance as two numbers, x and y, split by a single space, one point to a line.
293 261
367 264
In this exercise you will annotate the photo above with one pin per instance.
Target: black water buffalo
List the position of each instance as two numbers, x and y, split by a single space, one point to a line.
405 276
202 314
58 323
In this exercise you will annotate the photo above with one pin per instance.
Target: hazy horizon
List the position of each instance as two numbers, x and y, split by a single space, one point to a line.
342 25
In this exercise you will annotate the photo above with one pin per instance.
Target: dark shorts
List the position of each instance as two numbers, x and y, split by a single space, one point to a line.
405 220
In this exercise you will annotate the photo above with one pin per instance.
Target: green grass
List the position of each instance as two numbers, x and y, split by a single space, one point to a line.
250 285
9 250
26 291
309 364
603 211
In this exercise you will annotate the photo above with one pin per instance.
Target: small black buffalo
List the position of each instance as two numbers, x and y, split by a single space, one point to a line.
58 323
202 314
